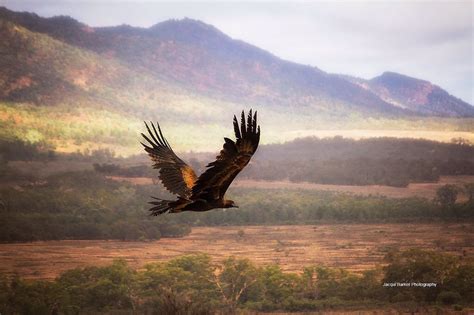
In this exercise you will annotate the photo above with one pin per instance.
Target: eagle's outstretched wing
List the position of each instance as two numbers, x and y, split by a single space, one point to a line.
177 176
213 183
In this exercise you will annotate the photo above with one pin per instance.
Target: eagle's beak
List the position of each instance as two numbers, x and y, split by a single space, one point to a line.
236 206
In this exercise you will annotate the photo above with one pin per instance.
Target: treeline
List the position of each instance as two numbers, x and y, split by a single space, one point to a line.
376 161
374 148
80 205
14 149
360 171
88 205
341 161
194 285
270 206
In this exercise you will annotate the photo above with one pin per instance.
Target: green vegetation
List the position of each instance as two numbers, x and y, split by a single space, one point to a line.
64 89
270 206
75 90
81 205
88 205
362 171
19 150
66 128
72 98
339 161
195 285
447 195
342 161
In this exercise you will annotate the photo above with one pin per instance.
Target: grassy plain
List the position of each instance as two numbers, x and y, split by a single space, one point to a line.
355 247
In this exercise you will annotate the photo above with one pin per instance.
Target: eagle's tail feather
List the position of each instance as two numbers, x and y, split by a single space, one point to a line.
160 206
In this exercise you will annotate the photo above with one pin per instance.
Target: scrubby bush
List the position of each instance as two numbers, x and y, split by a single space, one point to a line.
193 284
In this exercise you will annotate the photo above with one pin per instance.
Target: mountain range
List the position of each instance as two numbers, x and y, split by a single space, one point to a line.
73 82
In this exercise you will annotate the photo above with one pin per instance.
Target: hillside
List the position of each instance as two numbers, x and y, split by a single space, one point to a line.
75 98
416 95
204 60
79 87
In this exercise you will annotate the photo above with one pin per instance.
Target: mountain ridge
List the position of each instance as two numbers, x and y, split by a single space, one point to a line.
210 62
80 88
421 95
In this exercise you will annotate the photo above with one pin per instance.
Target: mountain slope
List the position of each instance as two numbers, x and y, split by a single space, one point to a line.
55 92
418 95
415 95
79 87
204 60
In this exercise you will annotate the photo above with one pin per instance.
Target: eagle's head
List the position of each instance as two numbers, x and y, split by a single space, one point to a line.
230 204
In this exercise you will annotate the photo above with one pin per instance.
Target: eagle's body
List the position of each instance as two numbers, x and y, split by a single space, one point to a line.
207 191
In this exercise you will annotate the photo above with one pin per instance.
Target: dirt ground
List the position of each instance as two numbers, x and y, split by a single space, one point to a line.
356 247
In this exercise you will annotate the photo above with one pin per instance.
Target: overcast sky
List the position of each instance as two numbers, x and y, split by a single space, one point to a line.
431 40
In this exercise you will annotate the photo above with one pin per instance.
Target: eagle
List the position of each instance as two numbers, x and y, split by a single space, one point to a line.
207 191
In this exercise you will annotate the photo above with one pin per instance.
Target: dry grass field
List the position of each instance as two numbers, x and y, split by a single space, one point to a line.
355 247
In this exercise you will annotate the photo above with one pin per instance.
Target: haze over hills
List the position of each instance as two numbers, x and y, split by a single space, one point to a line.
80 86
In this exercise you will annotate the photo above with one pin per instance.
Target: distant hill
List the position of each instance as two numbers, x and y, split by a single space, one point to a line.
75 83
203 59
416 95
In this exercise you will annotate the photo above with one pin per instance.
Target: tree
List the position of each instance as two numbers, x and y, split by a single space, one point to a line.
237 276
469 189
446 195
277 285
414 266
184 285
98 287
3 165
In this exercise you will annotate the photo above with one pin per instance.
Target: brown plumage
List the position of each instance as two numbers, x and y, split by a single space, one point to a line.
206 192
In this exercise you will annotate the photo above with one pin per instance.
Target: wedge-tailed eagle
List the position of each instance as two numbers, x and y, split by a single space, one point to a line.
207 191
